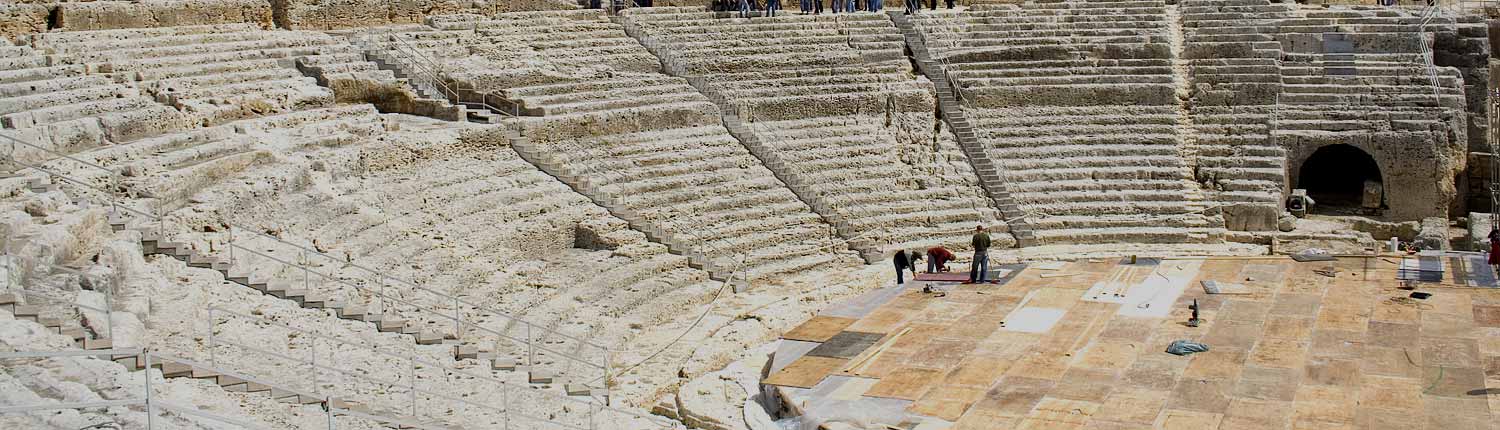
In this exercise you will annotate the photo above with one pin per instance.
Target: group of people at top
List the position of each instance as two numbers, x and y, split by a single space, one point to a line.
816 6
938 258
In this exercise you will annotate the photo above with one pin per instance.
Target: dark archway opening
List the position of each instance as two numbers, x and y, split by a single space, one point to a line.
1334 176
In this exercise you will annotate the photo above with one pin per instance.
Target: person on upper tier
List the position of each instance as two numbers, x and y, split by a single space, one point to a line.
979 269
838 6
937 259
905 261
806 6
772 6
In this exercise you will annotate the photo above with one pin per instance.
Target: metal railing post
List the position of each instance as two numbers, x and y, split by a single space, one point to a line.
530 348
312 347
328 407
150 407
231 244
212 355
413 375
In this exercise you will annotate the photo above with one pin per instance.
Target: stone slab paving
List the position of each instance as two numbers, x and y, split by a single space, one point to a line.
1293 348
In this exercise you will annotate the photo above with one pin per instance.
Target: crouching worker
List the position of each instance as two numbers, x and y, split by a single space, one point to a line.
937 259
905 261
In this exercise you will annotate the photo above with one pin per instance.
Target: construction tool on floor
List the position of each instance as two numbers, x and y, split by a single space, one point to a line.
1118 282
1194 321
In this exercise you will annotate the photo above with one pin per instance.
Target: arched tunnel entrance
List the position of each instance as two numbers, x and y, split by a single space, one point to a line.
1334 176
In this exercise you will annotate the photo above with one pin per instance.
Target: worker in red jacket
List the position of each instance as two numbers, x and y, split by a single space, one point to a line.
937 259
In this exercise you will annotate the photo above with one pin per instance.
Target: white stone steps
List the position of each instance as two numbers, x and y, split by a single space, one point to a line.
284 40
62 98
50 86
8 76
588 85
57 114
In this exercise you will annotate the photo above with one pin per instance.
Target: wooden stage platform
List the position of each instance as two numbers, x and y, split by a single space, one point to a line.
1294 345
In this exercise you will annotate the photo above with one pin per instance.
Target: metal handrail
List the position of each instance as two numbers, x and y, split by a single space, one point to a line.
432 74
531 340
413 358
147 400
531 327
1428 14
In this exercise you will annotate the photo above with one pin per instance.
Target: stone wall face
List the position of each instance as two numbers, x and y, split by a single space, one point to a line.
107 15
1418 175
337 14
21 19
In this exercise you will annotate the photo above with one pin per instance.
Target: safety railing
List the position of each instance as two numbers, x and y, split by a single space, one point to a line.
403 379
21 277
425 71
536 346
143 394
1431 12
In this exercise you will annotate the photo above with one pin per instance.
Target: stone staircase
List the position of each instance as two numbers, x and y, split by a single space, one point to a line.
152 242
948 103
423 77
17 305
737 128
735 124
584 184
477 348
1077 103
1236 68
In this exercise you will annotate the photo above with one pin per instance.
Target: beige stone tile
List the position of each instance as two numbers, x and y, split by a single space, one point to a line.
1205 395
1233 334
1336 343
1108 354
1092 385
1289 328
1244 310
1132 406
1400 394
1263 383
1392 335
1053 413
1129 329
1390 311
1154 373
1279 353
1251 414
1296 305
1332 371
1324 405
1217 362
1395 362
1448 325
1450 352
1173 419
1453 382
1383 419
1344 318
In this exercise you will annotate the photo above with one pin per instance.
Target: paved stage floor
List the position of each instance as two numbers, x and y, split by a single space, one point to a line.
1082 345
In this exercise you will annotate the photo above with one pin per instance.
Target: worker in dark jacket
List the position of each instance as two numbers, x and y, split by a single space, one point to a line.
937 259
905 261
979 269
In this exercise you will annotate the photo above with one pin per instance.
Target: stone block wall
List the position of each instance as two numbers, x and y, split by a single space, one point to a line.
1420 173
337 14
22 19
107 15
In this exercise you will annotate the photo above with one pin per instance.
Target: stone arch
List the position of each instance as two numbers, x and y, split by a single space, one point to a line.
1334 175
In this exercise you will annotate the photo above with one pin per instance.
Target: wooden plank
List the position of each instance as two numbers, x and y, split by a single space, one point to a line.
806 372
819 328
